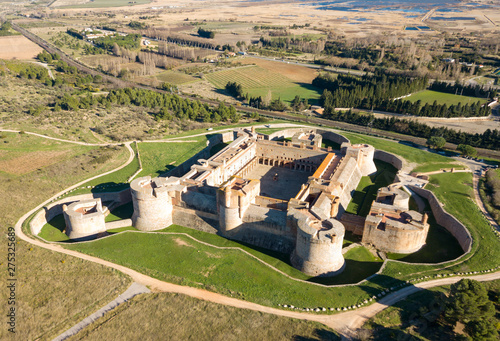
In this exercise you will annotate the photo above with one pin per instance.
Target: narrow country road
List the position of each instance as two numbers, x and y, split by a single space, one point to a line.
345 323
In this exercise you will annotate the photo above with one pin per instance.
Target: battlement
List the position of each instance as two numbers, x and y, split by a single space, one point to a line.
391 226
84 219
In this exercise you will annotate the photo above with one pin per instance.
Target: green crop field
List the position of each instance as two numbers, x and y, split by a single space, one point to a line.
429 96
257 81
175 77
108 3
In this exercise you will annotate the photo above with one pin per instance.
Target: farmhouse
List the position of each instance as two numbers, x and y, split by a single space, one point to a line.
287 196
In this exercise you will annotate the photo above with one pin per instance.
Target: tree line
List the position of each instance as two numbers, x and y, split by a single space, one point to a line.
465 90
378 92
168 106
348 91
490 139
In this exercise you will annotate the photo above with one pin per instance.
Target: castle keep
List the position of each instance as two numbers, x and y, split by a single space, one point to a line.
286 196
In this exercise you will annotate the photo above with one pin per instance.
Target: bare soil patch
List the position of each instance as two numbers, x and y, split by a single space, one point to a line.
181 242
31 161
18 47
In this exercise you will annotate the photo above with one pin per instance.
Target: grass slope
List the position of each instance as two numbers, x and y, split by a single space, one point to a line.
413 155
186 318
366 192
54 291
159 158
429 96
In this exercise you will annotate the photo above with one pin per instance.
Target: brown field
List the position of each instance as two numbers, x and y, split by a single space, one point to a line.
300 74
18 47
180 317
31 161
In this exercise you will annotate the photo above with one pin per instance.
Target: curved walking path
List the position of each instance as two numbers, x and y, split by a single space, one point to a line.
47 67
345 323
480 203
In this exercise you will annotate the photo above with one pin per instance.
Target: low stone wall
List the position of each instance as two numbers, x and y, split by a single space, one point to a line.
49 212
394 160
330 135
197 220
443 218
118 223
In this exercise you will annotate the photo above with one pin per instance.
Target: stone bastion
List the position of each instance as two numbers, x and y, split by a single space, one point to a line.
287 196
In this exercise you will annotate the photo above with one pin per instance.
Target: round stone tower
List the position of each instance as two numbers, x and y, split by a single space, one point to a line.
318 250
84 219
152 204
229 210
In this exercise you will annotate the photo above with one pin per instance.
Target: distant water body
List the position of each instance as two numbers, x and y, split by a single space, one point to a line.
407 6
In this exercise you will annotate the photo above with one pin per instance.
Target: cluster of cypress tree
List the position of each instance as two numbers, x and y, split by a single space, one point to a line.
348 91
378 92
490 139
170 105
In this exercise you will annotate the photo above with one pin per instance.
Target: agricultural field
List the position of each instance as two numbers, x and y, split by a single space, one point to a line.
297 73
175 77
429 96
257 81
97 3
18 47
212 321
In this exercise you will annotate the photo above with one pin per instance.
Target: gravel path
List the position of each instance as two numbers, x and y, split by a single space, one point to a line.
134 290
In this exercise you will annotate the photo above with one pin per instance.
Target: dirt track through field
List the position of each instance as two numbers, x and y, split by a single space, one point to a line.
345 323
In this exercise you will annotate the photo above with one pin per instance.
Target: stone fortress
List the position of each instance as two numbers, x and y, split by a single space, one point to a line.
287 196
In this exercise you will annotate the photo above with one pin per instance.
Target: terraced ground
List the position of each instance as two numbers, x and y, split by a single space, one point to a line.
258 81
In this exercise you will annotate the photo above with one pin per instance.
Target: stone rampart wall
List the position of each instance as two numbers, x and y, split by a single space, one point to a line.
197 220
184 167
52 210
334 137
443 218
280 151
394 160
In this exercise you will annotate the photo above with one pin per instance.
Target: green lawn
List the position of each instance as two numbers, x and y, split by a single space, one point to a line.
422 158
429 96
366 192
455 191
440 245
53 230
159 157
179 259
437 166
258 81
